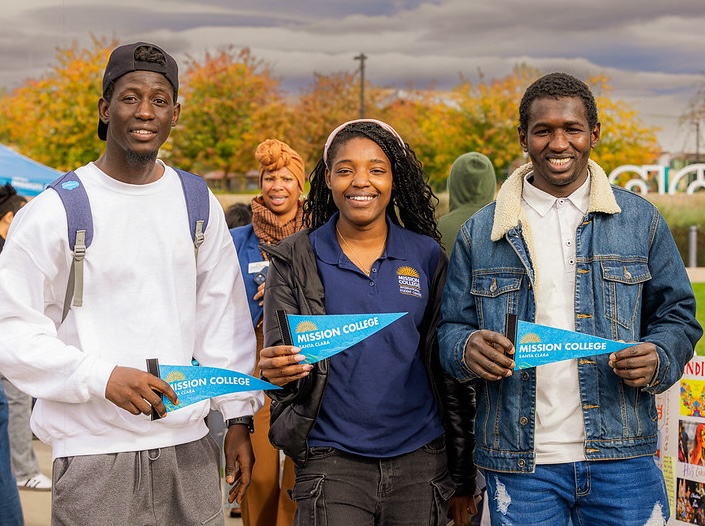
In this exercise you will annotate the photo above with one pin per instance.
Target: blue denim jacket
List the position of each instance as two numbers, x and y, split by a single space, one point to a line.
631 285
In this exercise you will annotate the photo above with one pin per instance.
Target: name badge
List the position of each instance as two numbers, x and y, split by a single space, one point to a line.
256 266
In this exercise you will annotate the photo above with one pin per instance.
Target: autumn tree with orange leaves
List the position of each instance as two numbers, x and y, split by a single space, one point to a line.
624 138
54 119
330 101
484 116
231 101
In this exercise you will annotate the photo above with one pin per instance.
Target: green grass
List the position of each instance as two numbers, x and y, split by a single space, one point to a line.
699 290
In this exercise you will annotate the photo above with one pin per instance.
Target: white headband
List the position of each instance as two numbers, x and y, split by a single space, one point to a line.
345 124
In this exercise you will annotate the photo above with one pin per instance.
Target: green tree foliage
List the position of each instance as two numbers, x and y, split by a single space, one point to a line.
423 119
489 112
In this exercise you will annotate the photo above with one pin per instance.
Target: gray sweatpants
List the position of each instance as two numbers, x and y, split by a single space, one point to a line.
160 487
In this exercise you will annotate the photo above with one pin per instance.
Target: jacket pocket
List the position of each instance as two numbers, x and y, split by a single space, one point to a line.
623 283
496 295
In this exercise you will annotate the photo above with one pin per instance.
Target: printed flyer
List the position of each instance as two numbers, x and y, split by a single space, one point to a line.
681 452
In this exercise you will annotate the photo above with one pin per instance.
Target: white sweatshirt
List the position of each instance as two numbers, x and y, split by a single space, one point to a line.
143 297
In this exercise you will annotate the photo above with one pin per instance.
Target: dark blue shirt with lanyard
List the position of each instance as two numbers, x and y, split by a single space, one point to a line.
378 401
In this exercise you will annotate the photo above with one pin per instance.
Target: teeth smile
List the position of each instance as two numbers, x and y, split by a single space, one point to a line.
361 197
560 162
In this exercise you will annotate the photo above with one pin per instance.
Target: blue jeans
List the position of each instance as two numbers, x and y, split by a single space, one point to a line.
340 489
609 493
10 507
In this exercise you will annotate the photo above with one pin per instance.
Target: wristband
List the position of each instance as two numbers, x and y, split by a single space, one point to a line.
244 420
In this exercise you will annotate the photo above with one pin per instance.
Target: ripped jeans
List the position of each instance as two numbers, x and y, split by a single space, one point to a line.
339 489
627 492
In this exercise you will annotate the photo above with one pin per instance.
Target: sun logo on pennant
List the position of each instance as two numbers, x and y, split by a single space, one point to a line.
408 271
174 376
306 326
530 337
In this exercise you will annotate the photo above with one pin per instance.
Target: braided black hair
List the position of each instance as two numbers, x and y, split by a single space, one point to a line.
556 86
412 196
9 200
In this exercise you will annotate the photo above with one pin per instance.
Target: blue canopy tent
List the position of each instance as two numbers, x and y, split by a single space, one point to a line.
27 176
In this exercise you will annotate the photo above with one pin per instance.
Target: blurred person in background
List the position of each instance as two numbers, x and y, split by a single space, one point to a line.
25 465
276 214
10 203
238 214
471 185
10 506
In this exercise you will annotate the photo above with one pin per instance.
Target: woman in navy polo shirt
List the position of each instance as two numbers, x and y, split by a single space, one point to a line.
365 427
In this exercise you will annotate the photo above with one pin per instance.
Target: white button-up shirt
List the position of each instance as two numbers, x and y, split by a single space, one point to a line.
553 221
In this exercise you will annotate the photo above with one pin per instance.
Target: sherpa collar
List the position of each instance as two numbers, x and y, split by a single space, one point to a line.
509 212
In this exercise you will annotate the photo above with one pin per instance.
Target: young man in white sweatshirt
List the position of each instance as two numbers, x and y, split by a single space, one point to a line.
145 296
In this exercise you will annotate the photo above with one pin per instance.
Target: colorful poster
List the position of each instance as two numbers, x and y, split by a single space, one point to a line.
681 417
195 383
692 398
539 344
322 336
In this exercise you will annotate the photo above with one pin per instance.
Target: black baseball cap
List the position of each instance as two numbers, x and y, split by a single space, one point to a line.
122 61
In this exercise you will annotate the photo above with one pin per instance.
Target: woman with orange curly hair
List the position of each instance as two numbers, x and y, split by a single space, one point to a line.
276 214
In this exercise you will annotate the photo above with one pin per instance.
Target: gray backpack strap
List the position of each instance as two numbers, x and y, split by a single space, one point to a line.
197 204
80 233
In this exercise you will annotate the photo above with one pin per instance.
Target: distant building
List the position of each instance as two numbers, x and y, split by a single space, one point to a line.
234 182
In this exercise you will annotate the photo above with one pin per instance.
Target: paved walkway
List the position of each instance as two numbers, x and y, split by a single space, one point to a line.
697 274
36 505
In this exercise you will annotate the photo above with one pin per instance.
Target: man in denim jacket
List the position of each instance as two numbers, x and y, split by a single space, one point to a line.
572 440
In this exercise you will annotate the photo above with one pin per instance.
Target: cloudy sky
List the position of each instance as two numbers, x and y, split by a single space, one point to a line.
653 52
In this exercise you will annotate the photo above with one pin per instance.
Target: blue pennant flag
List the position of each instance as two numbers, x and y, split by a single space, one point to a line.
322 336
539 344
195 383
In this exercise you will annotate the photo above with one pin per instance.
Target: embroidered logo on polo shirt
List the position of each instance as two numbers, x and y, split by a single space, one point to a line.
409 281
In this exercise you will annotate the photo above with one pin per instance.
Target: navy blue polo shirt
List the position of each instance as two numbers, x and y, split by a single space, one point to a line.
378 401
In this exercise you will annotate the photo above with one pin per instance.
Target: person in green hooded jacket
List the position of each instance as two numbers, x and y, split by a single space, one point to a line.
471 185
